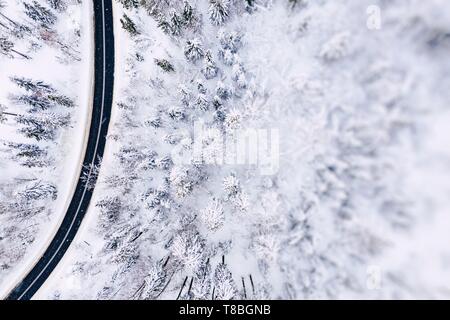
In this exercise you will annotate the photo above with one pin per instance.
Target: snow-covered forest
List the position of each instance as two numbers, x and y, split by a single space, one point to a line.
356 204
44 80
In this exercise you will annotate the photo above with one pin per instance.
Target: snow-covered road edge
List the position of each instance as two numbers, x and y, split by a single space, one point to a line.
74 150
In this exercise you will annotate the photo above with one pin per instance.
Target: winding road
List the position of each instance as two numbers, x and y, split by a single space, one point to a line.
103 93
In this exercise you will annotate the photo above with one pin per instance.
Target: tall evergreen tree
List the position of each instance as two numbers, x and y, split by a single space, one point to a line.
193 50
165 65
188 13
210 68
225 287
33 86
38 190
218 11
29 155
129 25
164 24
58 5
130 4
7 48
40 14
176 23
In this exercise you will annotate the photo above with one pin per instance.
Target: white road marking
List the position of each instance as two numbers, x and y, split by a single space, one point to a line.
93 160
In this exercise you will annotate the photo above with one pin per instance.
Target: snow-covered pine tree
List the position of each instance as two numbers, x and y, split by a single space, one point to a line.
163 24
213 215
61 100
176 23
7 48
29 155
42 127
189 249
249 5
193 50
227 56
210 68
35 101
129 25
34 128
58 5
3 117
33 86
42 96
130 4
110 207
223 91
188 14
165 65
38 190
233 119
224 285
229 40
177 113
218 11
231 185
201 289
40 14
202 102
154 281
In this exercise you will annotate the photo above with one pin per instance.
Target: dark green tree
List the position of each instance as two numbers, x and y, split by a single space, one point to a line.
129 25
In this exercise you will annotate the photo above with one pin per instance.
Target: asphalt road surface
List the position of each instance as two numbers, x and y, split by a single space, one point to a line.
103 92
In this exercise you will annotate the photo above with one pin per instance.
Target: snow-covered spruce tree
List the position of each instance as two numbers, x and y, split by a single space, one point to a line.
181 181
37 190
3 115
58 5
7 48
249 5
35 128
35 101
230 40
165 65
233 119
61 100
110 207
218 11
154 281
223 91
33 86
130 4
163 24
41 95
176 23
202 283
202 103
188 15
29 155
210 68
227 56
193 50
213 215
40 14
224 285
129 25
188 248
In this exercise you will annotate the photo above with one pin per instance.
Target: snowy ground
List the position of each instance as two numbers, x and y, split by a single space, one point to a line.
24 239
358 207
